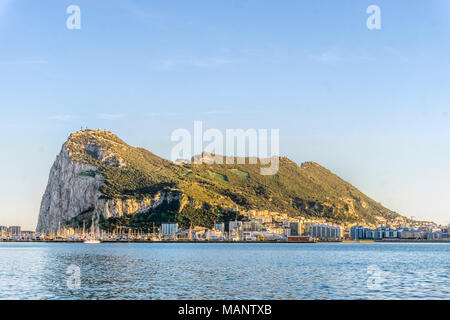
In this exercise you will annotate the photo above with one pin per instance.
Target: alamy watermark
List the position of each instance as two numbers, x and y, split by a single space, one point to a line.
374 20
237 146
74 277
73 22
376 277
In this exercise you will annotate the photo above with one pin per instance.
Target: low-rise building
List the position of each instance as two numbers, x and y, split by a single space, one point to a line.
28 235
296 228
14 230
361 232
263 219
235 229
275 229
169 229
3 231
413 234
358 232
381 233
253 225
323 231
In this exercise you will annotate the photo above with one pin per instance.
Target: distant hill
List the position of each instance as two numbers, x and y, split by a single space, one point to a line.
98 174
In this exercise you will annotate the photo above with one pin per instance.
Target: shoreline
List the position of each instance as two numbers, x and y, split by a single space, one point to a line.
413 241
189 241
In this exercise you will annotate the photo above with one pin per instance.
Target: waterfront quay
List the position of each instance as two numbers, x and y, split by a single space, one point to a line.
389 234
248 226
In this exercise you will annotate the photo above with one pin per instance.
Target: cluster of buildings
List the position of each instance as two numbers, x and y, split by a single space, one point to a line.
263 225
253 225
15 233
410 233
258 225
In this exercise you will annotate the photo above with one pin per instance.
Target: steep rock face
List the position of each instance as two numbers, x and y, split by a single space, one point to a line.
70 191
75 188
119 207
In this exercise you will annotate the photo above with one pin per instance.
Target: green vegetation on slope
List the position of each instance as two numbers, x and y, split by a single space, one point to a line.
309 190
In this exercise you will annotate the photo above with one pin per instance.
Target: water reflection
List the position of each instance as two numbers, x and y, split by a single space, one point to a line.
225 271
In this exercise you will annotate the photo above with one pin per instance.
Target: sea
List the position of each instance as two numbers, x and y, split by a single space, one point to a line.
123 271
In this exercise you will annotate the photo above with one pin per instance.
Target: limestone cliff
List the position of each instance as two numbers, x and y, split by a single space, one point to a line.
74 188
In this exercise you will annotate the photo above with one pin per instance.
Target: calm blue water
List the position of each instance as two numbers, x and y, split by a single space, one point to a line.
225 271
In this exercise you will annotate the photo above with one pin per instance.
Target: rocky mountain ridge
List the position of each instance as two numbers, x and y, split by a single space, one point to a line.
97 174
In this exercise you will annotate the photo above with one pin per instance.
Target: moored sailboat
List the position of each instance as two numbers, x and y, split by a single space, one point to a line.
92 238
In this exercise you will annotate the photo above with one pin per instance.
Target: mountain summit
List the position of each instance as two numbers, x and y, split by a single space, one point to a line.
98 174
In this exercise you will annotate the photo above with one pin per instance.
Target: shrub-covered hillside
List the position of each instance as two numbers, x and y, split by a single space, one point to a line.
307 190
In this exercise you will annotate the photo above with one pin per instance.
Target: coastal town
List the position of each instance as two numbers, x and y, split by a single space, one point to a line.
253 226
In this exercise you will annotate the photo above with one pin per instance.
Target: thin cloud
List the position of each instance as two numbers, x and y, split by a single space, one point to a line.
342 55
209 62
109 116
165 114
61 117
326 56
22 62
203 62
155 18
214 112
217 112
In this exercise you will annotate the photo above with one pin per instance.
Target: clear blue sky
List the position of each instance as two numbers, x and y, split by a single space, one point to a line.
372 106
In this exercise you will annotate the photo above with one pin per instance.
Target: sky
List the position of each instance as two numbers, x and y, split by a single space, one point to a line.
370 105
